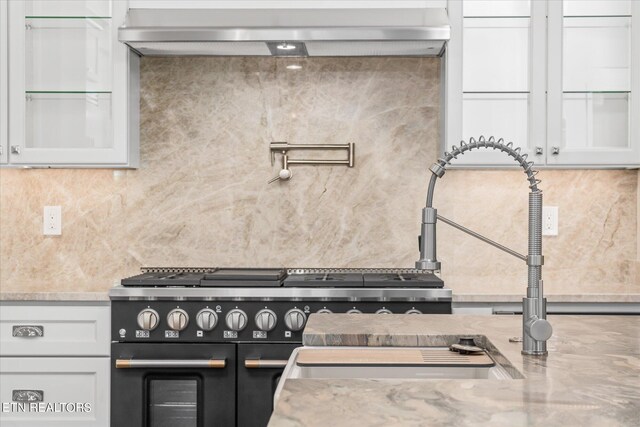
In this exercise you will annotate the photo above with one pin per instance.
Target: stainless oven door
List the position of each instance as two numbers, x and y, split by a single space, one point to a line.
173 385
260 367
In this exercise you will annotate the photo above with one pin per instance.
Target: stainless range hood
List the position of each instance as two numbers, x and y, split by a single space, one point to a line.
286 32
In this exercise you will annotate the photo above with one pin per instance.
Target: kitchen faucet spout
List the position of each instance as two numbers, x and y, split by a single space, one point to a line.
536 330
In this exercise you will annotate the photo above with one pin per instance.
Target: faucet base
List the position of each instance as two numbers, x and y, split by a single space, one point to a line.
534 353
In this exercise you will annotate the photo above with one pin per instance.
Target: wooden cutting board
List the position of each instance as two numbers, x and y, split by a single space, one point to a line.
391 356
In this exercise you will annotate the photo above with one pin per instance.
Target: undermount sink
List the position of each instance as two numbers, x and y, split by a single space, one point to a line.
399 363
391 363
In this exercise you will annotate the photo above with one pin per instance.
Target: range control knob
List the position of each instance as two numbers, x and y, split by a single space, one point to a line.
266 320
384 311
354 311
206 319
324 311
295 319
177 319
148 319
413 311
236 319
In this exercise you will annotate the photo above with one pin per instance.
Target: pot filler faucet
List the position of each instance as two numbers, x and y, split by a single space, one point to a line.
536 330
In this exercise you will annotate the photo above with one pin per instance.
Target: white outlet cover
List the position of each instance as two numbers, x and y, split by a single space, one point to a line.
549 220
52 221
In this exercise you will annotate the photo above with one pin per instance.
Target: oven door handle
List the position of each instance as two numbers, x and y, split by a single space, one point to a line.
265 363
171 363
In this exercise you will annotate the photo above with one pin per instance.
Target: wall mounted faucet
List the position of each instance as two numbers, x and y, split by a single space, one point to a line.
284 147
536 330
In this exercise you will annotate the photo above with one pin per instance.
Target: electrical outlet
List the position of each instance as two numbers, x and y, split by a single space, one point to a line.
52 222
549 220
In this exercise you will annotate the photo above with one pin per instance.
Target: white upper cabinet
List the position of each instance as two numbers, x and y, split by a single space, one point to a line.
559 79
73 86
4 73
492 96
594 82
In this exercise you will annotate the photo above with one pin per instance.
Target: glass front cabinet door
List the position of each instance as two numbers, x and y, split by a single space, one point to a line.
558 78
594 82
73 86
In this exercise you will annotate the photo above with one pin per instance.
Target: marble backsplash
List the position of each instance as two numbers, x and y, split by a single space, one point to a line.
200 197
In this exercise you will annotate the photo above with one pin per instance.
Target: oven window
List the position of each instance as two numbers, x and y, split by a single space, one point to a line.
173 402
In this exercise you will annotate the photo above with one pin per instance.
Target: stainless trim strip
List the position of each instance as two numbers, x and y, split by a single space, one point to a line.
328 34
170 363
325 24
281 294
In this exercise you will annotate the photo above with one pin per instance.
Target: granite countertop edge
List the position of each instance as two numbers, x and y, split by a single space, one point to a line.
54 296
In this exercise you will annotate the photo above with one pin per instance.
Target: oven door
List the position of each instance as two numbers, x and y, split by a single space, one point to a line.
173 385
260 367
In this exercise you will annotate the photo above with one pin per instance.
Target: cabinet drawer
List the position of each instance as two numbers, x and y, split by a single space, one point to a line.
54 330
59 391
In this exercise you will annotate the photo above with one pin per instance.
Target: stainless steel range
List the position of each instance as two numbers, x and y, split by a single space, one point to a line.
204 346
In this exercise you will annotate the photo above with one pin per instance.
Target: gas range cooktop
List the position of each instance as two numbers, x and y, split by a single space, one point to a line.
281 277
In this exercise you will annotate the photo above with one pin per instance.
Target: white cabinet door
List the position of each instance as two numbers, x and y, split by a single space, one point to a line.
594 83
4 95
566 92
54 391
69 79
494 85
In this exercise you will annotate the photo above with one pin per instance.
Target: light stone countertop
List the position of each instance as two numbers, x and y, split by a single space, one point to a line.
591 376
54 296
488 298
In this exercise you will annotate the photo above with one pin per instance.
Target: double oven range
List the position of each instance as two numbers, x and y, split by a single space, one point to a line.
196 347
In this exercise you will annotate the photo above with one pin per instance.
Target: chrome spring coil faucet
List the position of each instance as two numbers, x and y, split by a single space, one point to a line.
536 330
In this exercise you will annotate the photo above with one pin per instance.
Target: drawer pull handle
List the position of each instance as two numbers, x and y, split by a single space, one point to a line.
170 363
264 364
28 331
27 395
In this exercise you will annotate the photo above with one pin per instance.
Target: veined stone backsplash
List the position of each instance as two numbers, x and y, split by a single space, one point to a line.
200 196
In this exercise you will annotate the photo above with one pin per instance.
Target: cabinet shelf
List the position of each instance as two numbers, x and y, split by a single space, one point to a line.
596 16
66 91
67 17
596 91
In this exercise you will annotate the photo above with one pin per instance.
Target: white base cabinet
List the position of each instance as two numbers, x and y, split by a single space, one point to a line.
54 364
68 391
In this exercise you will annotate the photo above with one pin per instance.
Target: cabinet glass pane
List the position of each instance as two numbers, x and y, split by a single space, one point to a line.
68 120
495 55
596 54
68 8
68 54
501 115
173 403
496 8
597 7
596 120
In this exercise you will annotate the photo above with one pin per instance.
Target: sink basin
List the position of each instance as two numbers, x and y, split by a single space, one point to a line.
410 363
391 363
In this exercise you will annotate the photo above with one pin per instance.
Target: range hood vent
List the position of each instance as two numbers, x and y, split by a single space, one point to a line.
286 32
